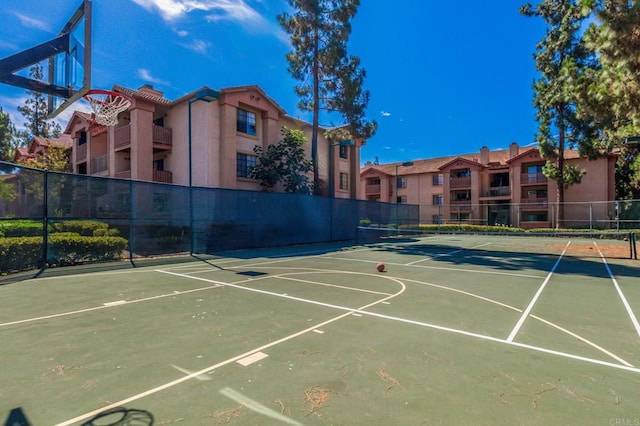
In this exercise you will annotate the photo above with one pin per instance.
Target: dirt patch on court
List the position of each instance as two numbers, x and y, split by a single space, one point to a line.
590 249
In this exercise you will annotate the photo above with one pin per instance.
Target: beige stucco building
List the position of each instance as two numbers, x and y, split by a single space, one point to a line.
158 139
503 187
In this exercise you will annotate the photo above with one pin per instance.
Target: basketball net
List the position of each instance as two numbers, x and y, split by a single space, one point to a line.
106 105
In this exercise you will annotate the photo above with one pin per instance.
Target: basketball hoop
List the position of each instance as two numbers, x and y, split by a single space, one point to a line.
106 105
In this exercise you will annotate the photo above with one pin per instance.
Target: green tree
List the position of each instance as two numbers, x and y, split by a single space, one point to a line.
8 143
612 98
285 162
330 78
35 112
55 158
562 60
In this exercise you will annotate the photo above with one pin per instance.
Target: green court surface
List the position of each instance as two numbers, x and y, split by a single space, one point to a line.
457 330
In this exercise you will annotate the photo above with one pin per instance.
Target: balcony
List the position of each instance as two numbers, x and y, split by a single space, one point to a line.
532 178
498 191
162 176
372 189
460 182
162 138
99 164
81 153
461 202
534 203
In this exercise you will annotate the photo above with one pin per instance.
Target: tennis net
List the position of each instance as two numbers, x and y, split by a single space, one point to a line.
609 244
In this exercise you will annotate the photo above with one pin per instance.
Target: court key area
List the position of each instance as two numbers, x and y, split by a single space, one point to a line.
466 329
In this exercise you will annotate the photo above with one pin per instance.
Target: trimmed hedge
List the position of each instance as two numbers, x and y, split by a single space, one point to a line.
22 253
87 228
20 228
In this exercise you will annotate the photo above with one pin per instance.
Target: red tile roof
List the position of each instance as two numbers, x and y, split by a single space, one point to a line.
497 159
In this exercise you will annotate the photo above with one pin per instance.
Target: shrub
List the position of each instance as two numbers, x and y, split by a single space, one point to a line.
21 253
87 228
20 228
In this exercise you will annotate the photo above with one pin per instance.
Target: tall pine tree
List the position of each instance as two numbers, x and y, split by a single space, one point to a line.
330 78
7 140
561 59
612 99
35 112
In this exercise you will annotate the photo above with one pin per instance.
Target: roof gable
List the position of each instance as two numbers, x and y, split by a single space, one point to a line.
460 162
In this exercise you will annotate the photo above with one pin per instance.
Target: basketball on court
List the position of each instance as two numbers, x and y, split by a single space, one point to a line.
380 267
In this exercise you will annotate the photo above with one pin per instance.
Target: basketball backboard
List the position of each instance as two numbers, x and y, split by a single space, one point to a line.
65 61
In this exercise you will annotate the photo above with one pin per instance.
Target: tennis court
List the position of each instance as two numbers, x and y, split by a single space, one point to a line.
458 329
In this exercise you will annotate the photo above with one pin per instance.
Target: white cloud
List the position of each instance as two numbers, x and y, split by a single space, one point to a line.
232 10
145 75
385 114
30 22
199 46
182 33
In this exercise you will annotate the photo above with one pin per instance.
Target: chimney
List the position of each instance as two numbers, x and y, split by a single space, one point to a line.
484 155
513 150
149 90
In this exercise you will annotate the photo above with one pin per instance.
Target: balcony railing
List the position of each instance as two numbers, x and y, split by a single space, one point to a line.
372 189
160 136
99 164
534 203
461 202
122 136
81 153
498 191
460 182
533 178
162 176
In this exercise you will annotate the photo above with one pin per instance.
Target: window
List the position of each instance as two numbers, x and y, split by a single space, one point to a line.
401 182
534 169
402 199
438 199
344 181
246 122
344 152
438 179
244 164
536 217
83 138
437 219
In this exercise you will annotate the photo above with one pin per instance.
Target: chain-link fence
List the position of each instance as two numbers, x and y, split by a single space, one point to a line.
619 215
159 219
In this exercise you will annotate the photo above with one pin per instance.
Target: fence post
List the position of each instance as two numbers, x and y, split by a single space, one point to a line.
590 216
45 221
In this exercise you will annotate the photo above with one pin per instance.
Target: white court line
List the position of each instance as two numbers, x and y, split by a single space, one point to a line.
107 305
420 323
632 316
446 254
349 312
199 373
527 311
362 290
441 268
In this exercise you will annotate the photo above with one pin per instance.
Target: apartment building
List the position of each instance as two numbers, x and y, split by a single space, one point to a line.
205 138
39 146
504 187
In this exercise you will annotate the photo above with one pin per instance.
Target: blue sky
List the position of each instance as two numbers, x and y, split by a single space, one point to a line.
445 77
